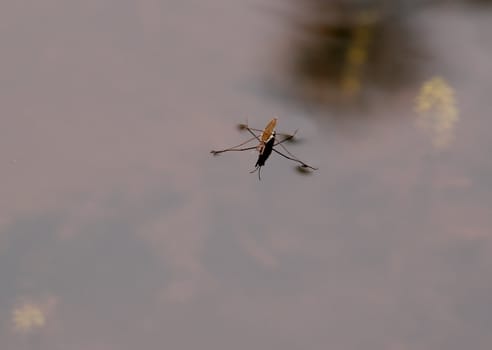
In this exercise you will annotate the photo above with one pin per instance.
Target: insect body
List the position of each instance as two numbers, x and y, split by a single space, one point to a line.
264 149
266 145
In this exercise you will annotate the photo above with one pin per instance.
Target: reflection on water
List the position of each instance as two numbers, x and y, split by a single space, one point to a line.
343 49
345 52
437 111
28 317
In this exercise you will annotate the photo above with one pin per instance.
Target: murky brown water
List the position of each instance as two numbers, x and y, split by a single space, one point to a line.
118 229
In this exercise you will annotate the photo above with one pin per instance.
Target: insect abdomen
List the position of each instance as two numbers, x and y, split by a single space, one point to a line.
266 152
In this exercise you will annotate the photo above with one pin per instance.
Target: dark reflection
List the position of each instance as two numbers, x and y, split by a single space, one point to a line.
303 170
344 50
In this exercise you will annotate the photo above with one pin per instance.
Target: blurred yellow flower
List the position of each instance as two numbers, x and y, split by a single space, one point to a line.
436 107
27 317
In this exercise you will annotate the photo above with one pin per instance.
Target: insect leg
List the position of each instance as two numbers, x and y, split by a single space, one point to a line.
303 165
235 148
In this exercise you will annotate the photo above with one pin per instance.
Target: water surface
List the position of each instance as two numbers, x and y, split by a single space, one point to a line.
118 229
